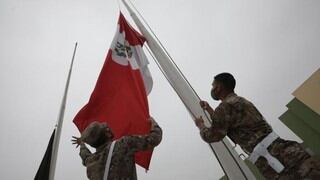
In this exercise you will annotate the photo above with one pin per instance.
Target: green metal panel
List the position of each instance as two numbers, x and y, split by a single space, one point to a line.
310 137
305 114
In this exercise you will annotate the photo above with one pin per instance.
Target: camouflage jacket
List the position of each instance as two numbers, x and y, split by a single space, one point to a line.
240 120
122 165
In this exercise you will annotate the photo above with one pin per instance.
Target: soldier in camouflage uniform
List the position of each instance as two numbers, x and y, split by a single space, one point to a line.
122 166
240 120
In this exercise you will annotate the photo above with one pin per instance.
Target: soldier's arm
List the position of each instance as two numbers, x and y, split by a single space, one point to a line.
212 134
205 106
144 142
84 153
221 121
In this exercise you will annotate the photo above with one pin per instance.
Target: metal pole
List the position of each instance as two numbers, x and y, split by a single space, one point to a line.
232 165
58 126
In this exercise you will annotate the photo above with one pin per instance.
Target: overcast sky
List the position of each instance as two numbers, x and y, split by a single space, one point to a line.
271 47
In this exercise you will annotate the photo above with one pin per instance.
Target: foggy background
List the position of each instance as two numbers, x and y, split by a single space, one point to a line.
270 47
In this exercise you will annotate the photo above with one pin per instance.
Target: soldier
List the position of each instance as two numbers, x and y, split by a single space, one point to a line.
238 118
121 159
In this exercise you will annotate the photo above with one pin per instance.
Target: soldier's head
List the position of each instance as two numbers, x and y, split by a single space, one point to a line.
97 134
222 85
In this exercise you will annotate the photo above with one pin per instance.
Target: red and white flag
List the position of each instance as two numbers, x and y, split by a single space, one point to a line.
120 95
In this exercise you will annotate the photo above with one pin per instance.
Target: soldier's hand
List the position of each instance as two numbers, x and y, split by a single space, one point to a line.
153 122
151 119
77 140
199 122
204 105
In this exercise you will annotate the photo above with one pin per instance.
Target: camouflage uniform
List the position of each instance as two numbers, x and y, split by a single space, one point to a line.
240 120
122 165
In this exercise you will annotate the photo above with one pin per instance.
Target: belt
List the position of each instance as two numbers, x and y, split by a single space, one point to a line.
261 150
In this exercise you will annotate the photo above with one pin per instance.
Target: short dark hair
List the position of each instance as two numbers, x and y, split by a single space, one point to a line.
227 80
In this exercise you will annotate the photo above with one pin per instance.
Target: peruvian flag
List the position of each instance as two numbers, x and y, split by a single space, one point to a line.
120 95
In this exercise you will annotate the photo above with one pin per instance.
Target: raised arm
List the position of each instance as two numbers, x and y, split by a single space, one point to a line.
221 121
212 134
205 106
144 142
84 151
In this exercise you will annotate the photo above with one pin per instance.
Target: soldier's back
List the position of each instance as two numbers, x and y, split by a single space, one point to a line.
249 126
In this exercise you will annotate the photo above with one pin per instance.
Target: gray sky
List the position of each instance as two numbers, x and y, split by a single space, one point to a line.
271 47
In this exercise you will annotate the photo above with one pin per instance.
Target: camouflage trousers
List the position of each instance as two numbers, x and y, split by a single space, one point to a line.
298 163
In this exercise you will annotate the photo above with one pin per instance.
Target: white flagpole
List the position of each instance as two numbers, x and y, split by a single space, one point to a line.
58 126
231 163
